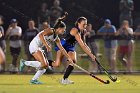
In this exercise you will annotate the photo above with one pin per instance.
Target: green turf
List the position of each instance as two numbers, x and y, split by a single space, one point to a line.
83 84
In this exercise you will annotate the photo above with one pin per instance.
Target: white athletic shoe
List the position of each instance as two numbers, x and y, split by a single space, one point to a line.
66 81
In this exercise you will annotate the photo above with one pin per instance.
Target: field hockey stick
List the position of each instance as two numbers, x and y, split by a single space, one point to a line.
91 74
106 72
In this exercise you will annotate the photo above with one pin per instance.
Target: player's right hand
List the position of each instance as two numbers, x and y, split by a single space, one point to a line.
93 58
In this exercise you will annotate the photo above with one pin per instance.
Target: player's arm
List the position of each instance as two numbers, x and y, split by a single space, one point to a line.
42 38
85 41
75 33
58 43
87 47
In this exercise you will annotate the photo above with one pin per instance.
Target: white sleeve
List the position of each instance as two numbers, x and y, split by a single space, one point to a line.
20 31
131 31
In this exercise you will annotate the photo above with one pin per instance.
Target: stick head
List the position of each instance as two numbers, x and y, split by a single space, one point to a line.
114 79
107 82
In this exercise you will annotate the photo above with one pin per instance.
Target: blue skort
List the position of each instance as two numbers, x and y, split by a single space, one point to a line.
68 47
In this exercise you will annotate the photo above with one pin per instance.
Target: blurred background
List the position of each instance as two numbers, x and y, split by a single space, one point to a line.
96 11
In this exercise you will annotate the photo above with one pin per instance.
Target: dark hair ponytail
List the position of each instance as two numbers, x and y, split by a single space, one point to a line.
60 25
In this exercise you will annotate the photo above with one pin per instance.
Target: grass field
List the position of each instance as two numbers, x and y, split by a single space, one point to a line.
83 84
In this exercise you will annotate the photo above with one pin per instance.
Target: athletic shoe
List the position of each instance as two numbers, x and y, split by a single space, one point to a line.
35 82
22 65
66 81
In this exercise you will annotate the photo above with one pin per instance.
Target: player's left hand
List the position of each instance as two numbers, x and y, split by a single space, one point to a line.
93 58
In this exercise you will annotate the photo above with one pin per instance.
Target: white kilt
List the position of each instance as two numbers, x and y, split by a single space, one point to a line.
33 47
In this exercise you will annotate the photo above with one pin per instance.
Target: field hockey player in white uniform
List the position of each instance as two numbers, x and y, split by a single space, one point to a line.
35 46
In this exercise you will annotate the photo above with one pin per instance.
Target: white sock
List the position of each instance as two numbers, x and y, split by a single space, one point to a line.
38 74
35 64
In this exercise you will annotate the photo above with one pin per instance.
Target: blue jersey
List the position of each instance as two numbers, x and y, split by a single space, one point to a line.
69 42
71 39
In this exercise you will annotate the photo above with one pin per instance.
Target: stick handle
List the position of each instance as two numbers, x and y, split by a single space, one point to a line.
81 68
102 81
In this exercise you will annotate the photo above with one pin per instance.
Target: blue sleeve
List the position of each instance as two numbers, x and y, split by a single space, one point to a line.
113 28
102 29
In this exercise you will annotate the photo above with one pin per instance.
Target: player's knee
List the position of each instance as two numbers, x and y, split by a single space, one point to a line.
56 63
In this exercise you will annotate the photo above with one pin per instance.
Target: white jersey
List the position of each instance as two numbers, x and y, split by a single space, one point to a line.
36 43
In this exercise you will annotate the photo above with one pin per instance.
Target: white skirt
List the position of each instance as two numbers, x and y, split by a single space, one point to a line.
33 47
